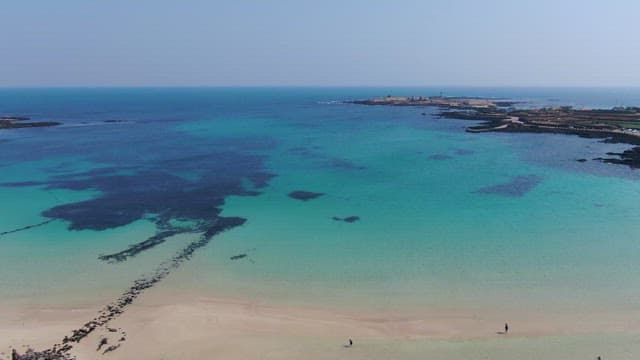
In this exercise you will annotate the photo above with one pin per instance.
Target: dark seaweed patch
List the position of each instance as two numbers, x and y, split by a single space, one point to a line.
126 198
261 180
517 187
439 157
348 219
304 195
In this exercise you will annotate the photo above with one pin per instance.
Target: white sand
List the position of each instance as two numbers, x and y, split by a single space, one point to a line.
168 326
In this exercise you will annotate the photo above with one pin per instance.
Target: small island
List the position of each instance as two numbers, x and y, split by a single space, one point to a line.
18 122
619 124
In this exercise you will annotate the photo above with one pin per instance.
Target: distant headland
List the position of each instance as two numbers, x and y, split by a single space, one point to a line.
619 124
17 122
439 101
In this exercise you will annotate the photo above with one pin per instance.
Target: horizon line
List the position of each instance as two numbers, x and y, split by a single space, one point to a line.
16 87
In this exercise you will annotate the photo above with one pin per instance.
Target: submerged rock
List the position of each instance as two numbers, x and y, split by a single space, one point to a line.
304 195
348 219
517 187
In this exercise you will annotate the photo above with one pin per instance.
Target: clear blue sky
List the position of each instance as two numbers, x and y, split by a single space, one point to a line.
323 42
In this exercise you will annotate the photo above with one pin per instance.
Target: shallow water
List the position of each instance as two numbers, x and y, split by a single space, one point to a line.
448 219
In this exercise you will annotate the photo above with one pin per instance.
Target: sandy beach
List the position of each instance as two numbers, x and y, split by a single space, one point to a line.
163 325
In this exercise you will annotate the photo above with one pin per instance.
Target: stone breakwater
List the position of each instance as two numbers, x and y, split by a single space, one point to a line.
24 228
116 308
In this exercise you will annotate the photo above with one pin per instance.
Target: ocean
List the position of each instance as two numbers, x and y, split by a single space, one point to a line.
445 219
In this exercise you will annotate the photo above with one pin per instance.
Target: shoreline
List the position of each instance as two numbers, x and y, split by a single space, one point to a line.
616 125
190 325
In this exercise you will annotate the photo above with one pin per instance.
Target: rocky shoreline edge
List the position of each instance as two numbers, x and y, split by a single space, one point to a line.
616 125
18 122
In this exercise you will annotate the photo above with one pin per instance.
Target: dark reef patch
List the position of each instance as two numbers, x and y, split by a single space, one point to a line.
439 157
125 198
63 168
304 195
261 180
348 219
517 187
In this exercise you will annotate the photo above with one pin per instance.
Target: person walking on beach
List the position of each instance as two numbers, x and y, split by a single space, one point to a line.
506 328
350 343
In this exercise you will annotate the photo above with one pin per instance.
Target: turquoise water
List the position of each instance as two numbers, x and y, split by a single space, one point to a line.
448 219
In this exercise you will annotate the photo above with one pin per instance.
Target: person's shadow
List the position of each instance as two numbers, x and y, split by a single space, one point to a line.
501 332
